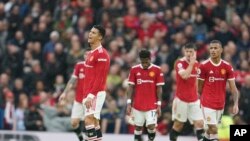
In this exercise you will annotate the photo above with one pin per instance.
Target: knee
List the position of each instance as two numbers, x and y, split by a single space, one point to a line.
74 123
178 126
199 124
89 120
151 126
138 128
213 129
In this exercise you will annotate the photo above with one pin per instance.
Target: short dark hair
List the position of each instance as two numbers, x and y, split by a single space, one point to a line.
144 54
100 29
190 46
216 42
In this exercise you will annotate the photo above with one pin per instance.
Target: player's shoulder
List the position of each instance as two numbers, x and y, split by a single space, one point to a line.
205 62
156 67
80 63
225 62
135 66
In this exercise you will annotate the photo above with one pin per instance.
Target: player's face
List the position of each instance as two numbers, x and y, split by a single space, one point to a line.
188 52
215 50
94 36
145 62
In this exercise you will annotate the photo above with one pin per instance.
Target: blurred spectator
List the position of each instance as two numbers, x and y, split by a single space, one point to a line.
245 100
9 111
20 110
33 119
111 120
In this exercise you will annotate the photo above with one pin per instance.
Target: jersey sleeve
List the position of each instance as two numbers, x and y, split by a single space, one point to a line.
201 72
101 63
179 67
160 78
230 74
75 71
131 77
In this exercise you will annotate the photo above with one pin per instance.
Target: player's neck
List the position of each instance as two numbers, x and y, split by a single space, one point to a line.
95 45
216 60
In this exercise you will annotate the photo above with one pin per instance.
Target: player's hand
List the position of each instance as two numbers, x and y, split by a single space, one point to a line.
88 103
62 98
193 58
235 109
158 111
129 109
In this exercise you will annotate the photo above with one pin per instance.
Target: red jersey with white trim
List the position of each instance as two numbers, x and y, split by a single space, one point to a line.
186 88
215 77
96 70
145 82
79 75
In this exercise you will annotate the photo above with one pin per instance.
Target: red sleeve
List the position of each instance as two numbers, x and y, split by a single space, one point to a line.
179 67
75 71
131 77
201 72
160 78
101 71
230 74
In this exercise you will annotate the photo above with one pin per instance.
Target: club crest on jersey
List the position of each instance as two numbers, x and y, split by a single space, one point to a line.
151 74
81 75
91 58
222 71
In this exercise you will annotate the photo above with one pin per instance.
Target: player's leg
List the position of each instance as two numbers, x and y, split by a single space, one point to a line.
211 119
151 121
98 130
139 120
99 104
179 116
196 117
76 116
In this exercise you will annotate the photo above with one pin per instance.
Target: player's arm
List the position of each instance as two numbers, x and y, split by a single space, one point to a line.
185 73
234 91
130 92
68 87
200 85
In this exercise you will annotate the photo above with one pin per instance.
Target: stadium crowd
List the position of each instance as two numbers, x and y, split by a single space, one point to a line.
41 41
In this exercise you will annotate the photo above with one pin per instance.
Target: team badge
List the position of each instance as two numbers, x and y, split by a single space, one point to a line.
151 74
179 65
222 71
91 58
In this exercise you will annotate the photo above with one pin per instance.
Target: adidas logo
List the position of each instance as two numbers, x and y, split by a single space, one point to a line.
138 74
211 72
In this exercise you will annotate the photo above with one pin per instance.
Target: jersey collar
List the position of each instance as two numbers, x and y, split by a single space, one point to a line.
214 63
151 65
96 49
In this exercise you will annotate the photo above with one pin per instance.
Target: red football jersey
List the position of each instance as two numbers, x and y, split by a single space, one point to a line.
145 82
186 88
96 70
215 77
79 74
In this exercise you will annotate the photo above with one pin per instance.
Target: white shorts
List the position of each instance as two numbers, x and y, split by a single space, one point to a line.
182 111
96 105
141 116
77 111
212 116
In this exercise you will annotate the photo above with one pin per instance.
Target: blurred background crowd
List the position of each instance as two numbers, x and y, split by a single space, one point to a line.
41 41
